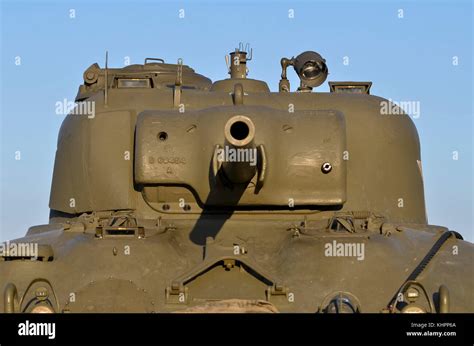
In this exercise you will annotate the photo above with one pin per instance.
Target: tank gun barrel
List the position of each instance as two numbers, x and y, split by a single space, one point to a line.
239 155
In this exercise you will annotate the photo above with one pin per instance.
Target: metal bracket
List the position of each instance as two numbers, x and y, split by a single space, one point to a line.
154 59
176 293
10 299
103 232
238 95
277 292
178 84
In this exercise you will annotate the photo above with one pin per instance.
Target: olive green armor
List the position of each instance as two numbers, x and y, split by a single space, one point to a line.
172 193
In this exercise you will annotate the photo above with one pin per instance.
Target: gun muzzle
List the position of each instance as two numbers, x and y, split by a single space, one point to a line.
239 159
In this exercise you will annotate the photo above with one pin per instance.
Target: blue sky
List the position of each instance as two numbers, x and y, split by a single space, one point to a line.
408 59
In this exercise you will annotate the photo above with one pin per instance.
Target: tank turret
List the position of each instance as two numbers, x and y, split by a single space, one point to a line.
193 195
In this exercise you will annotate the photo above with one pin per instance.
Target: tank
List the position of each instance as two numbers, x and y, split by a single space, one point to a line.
171 193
